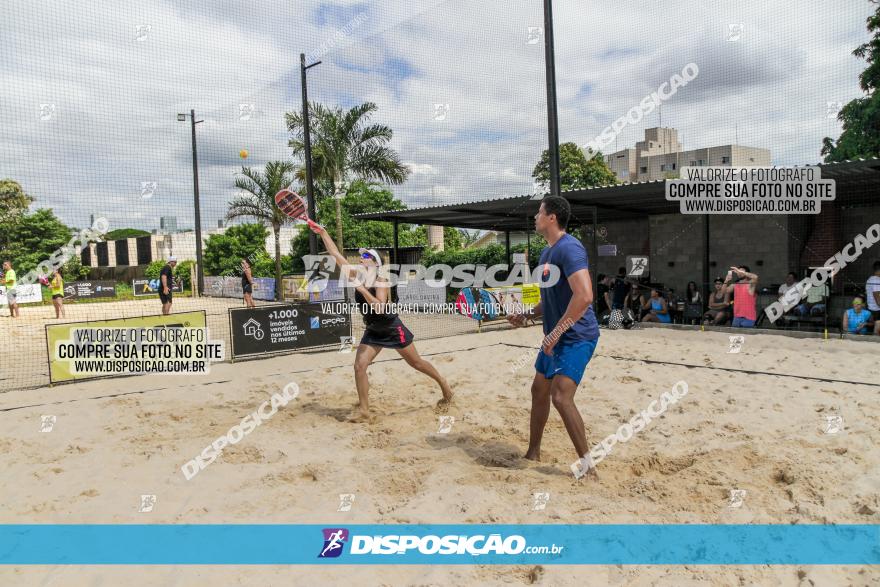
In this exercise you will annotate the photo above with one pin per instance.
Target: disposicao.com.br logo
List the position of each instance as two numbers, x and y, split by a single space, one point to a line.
334 540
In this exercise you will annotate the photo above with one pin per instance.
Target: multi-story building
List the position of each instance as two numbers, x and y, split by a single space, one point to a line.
660 156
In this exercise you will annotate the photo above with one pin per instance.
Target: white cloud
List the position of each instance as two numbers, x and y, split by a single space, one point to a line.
117 97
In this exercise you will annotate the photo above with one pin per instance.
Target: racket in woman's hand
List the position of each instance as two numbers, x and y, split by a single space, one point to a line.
291 203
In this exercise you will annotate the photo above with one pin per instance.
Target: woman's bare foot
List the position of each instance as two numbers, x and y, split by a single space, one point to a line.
359 417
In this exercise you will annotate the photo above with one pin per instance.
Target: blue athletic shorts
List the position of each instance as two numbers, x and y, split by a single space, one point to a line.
568 359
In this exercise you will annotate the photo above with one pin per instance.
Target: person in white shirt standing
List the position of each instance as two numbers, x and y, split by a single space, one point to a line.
872 287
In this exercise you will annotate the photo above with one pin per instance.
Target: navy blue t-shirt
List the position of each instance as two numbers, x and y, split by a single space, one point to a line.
570 256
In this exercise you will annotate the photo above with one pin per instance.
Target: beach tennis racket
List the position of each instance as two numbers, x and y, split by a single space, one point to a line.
292 204
479 304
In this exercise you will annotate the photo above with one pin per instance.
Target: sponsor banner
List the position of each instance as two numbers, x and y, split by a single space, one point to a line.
90 289
299 289
421 293
150 287
517 297
230 287
461 544
62 369
29 293
285 327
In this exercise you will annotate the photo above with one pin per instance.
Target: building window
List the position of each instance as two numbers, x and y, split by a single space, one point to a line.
643 170
693 163
620 156
725 160
673 167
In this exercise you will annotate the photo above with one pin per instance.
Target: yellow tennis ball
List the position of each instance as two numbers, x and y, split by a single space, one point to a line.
243 153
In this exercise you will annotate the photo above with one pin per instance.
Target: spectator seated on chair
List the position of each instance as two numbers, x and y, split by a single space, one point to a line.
858 320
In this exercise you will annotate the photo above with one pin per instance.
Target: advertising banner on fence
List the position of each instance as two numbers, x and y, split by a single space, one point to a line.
285 327
517 297
29 293
230 287
298 289
422 293
128 346
150 287
90 289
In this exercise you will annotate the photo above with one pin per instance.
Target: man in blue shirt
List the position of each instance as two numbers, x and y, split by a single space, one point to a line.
570 328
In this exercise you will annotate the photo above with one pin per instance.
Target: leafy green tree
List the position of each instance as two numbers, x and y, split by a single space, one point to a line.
345 147
74 269
262 265
223 252
13 201
259 202
576 170
861 117
364 197
32 238
468 237
452 237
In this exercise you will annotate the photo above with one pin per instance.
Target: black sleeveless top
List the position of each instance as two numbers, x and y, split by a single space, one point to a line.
372 316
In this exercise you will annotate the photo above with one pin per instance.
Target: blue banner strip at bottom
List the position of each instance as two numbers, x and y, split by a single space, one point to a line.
246 544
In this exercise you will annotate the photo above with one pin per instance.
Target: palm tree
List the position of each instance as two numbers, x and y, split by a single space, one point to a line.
345 147
259 202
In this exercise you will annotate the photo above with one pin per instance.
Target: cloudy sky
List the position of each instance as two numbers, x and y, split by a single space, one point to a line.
91 90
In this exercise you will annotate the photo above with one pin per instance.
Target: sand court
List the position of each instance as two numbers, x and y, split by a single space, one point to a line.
797 446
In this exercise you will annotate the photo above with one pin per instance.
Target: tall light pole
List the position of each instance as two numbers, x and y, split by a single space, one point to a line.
307 139
552 119
196 207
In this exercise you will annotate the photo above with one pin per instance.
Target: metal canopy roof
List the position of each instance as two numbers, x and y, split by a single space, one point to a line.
857 182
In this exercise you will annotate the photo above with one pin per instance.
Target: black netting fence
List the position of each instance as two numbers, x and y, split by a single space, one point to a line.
112 114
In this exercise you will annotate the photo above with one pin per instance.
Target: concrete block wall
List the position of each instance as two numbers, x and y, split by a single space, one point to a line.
676 239
855 221
748 240
734 240
632 237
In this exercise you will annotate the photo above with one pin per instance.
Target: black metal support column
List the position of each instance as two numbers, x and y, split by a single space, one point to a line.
307 140
507 247
593 261
552 118
706 279
395 252
528 241
200 262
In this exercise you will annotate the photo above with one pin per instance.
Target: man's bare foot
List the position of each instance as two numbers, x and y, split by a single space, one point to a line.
533 455
442 405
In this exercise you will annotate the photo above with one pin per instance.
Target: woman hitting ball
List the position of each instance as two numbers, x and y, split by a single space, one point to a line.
384 329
